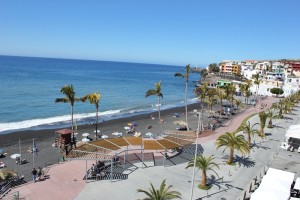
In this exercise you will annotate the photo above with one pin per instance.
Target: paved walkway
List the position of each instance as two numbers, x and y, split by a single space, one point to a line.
65 180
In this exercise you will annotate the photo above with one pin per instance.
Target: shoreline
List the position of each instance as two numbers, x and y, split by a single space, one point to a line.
11 138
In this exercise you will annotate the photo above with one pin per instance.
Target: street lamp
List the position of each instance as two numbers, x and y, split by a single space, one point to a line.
196 151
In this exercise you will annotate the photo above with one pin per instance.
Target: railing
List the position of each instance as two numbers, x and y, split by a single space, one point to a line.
13 196
7 187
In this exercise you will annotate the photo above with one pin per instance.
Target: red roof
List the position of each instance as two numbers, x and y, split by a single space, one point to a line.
64 131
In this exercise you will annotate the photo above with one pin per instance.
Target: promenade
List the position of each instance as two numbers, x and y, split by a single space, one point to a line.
65 181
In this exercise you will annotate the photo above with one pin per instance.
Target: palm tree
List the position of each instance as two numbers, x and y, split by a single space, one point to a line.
69 93
272 115
186 76
201 93
210 99
233 141
205 164
94 98
157 91
287 105
250 131
163 193
257 81
262 119
238 104
220 95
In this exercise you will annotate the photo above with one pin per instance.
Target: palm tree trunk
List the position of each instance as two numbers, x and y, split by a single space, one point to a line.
203 178
249 138
186 113
72 119
158 108
160 121
230 159
96 123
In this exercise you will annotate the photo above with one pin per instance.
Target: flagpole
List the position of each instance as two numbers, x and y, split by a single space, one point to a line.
196 151
20 156
33 151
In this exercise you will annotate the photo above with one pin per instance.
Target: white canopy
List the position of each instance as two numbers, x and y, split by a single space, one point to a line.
275 185
264 194
293 133
295 126
281 175
297 184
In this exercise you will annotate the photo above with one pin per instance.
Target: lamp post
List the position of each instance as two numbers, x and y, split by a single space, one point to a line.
196 151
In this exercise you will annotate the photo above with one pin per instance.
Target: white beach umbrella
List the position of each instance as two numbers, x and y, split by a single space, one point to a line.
16 155
85 140
180 123
85 134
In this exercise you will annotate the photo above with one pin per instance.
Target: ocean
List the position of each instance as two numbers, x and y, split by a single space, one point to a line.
30 85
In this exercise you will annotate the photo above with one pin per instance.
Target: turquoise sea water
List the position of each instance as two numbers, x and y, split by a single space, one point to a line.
29 87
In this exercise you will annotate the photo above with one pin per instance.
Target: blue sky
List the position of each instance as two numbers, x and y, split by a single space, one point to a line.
164 32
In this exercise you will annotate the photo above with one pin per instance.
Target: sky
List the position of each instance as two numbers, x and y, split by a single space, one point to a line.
176 32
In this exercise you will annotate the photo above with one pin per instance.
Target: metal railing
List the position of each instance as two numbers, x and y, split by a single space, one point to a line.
12 196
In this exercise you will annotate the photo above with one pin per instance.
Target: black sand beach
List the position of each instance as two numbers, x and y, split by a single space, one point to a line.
48 155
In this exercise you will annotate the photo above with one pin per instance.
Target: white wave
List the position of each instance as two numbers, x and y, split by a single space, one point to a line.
59 120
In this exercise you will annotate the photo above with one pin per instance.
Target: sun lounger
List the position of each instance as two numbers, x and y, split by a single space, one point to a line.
137 134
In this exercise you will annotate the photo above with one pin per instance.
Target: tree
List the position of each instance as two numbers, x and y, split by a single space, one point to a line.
69 93
203 73
238 104
205 164
210 99
158 92
257 82
94 98
249 130
287 105
186 76
262 119
272 115
163 193
277 91
213 67
220 95
201 93
232 141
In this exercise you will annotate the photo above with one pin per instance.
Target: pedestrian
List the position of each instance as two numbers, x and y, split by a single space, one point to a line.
93 167
34 173
39 173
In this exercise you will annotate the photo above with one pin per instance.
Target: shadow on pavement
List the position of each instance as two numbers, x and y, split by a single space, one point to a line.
242 161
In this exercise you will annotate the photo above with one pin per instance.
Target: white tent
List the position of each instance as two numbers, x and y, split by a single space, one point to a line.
270 183
296 126
281 175
275 185
264 194
297 184
292 133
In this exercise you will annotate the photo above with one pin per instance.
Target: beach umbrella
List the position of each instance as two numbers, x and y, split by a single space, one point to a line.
126 128
16 155
85 140
85 134
180 123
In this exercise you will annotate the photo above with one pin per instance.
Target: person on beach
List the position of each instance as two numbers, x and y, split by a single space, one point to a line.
34 173
39 173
